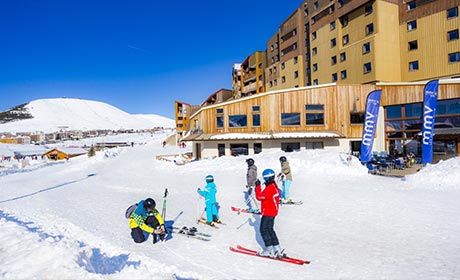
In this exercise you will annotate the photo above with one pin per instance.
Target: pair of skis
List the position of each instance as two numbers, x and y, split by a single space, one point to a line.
213 224
242 250
191 232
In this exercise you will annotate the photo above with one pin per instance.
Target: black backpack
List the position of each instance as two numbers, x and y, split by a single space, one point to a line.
130 210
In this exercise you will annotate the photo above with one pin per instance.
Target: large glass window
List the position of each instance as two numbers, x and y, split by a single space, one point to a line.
452 35
256 120
290 147
239 149
314 145
452 13
238 121
454 57
290 119
220 121
315 118
393 112
413 110
448 107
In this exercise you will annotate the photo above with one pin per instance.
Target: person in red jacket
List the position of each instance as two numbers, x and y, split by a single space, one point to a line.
270 200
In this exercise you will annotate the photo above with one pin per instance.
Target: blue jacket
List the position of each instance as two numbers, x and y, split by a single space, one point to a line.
209 193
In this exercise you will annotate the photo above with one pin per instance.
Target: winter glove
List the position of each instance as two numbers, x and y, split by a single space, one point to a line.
257 182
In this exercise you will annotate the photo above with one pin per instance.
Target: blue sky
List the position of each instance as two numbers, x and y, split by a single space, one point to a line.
137 55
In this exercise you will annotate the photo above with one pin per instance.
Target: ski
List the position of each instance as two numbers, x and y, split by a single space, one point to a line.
300 202
204 222
191 230
245 251
241 210
190 234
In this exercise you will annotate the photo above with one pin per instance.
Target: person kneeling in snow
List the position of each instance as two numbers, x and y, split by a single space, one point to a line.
209 193
145 220
270 200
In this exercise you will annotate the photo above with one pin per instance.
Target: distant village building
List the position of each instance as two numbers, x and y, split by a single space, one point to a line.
64 153
37 138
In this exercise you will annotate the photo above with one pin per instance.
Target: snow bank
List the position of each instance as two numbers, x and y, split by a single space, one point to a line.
444 175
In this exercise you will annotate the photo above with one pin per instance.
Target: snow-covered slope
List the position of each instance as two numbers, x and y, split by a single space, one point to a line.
58 222
50 115
157 120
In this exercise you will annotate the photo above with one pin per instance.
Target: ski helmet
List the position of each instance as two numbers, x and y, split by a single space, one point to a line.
149 204
209 179
283 159
268 175
250 161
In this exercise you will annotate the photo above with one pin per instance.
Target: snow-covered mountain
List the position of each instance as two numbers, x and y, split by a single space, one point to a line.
50 115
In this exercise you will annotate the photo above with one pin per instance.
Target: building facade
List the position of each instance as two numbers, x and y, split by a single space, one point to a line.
327 116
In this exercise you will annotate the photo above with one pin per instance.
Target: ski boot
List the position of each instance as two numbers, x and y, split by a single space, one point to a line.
267 252
279 252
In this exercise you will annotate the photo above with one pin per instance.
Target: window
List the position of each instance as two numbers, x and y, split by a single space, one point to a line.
332 25
367 68
314 107
334 77
333 42
411 5
275 82
290 147
296 74
448 107
272 48
344 21
341 3
256 108
273 59
314 51
345 40
452 13
334 60
313 35
271 84
316 5
411 25
283 65
257 148
315 82
314 145
452 35
343 74
369 28
413 65
343 57
255 120
296 59
454 57
315 67
274 69
270 70
306 11
394 112
315 114
368 9
413 45
238 121
220 121
413 110
220 110
239 149
283 79
366 47
221 149
290 119
357 118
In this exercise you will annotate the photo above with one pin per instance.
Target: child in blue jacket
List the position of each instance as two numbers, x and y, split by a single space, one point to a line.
209 193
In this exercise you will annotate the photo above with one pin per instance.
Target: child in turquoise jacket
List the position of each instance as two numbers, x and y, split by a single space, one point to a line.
209 193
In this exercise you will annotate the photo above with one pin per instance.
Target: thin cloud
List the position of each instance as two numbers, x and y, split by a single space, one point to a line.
137 49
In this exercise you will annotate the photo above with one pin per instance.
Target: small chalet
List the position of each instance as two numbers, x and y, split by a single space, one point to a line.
64 153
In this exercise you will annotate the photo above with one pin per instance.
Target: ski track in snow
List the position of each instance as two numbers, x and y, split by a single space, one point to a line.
351 225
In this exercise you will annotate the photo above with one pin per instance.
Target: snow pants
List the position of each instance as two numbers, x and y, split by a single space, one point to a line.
212 213
250 199
286 187
268 233
139 235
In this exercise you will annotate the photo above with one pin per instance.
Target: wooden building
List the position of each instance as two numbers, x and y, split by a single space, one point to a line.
64 153
327 116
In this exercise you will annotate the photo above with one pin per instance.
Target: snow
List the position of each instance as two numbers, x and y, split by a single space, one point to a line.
158 121
442 176
51 115
67 220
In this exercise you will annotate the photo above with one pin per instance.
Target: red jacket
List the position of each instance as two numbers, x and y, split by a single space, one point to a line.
270 199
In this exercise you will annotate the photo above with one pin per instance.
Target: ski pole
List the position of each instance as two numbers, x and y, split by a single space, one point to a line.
163 211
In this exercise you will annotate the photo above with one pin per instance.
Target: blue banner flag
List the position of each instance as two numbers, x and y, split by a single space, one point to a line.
370 124
430 102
